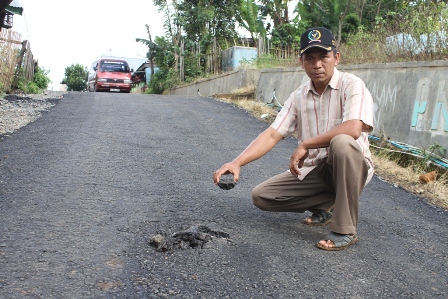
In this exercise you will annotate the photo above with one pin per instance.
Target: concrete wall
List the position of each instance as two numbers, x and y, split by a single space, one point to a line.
411 99
225 83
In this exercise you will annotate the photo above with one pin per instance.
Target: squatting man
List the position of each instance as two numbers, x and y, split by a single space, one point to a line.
332 115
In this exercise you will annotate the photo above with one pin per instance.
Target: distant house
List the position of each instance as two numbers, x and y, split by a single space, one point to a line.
143 72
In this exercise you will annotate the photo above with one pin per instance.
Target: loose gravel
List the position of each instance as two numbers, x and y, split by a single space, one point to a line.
18 110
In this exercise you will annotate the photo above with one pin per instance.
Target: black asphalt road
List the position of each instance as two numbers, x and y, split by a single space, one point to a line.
85 188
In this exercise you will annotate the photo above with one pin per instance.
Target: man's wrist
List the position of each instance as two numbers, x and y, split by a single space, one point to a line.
236 162
304 146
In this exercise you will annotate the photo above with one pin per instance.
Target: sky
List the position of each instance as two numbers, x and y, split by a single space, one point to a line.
62 33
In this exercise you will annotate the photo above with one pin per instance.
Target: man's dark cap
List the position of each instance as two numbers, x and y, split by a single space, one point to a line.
317 37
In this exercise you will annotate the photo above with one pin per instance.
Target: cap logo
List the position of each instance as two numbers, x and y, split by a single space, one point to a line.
314 36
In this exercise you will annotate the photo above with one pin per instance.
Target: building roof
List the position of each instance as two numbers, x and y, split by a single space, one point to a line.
15 7
144 66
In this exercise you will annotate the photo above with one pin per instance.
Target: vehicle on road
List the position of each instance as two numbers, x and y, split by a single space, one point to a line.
112 75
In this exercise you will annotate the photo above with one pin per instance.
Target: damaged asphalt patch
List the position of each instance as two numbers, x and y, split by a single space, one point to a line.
191 237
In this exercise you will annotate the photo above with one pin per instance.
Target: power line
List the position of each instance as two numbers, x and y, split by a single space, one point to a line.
26 23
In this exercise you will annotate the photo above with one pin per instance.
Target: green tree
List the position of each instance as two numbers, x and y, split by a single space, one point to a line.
288 34
210 24
198 29
203 19
166 77
277 10
173 28
326 13
368 11
76 77
350 27
152 48
251 19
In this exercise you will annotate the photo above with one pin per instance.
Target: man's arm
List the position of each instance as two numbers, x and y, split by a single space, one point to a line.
352 128
256 149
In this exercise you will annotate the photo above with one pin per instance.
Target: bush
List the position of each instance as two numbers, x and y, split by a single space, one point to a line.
39 84
32 87
41 79
164 79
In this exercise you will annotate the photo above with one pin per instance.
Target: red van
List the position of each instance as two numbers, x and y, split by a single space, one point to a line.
110 75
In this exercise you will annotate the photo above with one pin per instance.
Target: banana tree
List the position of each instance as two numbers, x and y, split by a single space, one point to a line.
152 48
252 20
326 13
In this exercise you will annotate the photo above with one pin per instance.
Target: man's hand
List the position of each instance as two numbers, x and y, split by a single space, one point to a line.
255 150
297 158
227 168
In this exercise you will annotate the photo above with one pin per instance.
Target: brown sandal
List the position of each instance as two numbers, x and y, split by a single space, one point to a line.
319 218
340 241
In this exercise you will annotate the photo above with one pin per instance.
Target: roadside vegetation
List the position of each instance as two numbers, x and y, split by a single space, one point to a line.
367 31
75 78
38 85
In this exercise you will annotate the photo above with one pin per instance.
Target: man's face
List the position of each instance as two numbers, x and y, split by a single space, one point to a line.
319 65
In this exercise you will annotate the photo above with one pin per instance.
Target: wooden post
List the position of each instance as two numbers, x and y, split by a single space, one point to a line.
181 62
19 64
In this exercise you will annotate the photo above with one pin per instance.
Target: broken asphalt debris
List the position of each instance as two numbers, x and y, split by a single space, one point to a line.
226 183
192 237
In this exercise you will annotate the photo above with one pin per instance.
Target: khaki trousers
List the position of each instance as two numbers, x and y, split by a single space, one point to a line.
337 182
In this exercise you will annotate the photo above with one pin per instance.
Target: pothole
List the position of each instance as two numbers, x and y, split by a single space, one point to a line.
191 237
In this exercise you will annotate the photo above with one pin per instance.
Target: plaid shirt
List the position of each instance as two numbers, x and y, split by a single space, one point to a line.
310 114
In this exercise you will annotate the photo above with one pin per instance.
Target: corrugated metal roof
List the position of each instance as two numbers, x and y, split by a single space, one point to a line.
15 7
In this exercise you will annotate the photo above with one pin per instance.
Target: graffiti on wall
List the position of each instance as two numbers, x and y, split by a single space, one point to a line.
384 97
424 119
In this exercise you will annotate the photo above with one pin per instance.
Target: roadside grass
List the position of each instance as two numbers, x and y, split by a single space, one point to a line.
402 170
392 166
244 99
